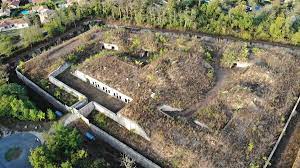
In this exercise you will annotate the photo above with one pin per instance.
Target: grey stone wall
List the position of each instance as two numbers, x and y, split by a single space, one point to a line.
57 104
123 148
122 120
82 99
87 109
130 125
293 113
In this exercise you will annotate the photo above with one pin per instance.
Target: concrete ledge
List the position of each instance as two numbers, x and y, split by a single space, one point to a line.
130 125
123 148
82 99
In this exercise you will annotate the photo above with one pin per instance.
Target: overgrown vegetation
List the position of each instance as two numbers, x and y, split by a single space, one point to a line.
213 116
274 22
234 53
63 148
57 92
14 101
13 153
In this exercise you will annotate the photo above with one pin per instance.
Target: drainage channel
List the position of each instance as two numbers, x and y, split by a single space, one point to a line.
285 150
289 146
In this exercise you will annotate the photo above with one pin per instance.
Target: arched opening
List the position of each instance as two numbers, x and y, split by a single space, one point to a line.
233 65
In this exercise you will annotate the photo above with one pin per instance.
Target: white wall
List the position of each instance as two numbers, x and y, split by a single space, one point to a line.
102 87
110 46
82 99
14 27
118 118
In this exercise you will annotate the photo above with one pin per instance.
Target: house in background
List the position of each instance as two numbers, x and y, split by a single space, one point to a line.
4 12
46 15
38 9
12 4
37 1
79 2
9 24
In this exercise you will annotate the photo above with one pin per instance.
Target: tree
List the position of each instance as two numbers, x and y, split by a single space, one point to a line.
50 114
6 45
296 38
63 149
3 75
31 35
277 28
15 103
54 27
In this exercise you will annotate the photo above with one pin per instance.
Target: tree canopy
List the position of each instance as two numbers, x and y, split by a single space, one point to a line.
63 149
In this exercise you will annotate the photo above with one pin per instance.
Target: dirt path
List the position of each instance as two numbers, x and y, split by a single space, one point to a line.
92 93
221 75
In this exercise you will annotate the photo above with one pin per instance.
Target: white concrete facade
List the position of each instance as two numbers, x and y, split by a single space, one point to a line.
102 87
13 26
110 46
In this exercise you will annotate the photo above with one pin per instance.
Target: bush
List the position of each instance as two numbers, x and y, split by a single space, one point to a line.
51 115
100 119
72 58
62 148
15 103
234 53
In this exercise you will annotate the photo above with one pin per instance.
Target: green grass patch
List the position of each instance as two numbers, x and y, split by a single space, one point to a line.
13 153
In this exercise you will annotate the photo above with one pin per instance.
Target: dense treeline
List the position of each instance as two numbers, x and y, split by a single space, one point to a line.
15 103
63 20
275 22
279 23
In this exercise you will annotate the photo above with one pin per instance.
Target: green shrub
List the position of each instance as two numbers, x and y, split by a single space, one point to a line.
50 114
101 119
72 58
233 54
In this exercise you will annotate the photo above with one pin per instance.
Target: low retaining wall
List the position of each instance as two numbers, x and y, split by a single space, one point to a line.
118 118
87 109
57 104
123 148
52 78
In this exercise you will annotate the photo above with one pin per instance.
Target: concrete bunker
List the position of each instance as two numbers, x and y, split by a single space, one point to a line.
102 87
109 46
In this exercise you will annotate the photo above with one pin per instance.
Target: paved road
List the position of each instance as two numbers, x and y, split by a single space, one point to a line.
26 141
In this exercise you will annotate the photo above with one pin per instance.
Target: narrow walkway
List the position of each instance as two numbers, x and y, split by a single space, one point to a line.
92 93
221 75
